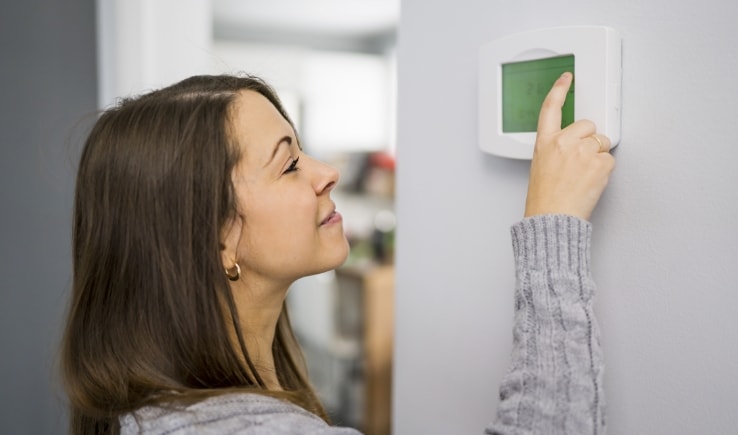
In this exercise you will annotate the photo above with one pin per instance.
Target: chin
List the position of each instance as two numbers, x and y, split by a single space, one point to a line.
340 257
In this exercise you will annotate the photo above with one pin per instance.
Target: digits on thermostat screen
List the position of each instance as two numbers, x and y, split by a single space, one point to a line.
525 85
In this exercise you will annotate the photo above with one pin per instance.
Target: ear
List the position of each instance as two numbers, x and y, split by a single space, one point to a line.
230 237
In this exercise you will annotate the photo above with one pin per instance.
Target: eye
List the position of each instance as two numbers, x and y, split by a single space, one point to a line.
293 166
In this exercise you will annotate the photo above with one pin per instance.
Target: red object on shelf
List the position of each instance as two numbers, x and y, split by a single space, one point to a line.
383 160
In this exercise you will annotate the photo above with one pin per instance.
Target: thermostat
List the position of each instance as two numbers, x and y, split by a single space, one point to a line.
516 72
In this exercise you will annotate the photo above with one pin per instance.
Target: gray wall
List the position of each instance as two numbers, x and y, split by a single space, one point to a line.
665 245
47 85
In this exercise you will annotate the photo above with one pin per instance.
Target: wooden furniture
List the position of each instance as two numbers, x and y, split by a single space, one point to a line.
365 311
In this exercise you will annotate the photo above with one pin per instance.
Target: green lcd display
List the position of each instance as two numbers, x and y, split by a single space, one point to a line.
525 85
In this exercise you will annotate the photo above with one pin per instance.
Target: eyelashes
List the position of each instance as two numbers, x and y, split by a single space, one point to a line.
293 166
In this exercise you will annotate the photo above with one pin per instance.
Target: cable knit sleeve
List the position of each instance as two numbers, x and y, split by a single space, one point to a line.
554 385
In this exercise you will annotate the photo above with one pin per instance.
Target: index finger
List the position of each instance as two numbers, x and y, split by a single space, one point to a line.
549 120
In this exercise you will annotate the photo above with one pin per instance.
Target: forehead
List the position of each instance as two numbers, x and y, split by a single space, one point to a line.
256 124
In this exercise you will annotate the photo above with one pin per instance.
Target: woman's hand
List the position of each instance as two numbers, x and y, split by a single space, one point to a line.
570 167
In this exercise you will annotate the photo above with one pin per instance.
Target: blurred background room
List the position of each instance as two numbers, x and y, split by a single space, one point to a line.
333 64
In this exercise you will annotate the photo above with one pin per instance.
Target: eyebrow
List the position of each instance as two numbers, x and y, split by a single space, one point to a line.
287 140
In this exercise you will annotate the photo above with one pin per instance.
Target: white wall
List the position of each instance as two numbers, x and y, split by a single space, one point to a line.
144 44
340 101
664 249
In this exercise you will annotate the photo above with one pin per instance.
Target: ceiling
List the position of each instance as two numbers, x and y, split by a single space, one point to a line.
357 25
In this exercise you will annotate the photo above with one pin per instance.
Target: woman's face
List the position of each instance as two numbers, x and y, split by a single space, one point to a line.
290 227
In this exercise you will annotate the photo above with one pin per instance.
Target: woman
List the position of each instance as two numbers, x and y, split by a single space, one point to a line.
195 210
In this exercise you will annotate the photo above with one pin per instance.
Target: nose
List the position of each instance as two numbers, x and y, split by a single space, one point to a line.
325 177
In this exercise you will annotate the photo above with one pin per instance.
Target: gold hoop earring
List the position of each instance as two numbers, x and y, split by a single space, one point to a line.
233 276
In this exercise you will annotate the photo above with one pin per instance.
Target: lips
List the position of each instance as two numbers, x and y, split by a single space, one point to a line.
332 217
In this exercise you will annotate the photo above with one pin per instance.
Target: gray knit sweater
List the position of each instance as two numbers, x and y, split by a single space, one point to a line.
554 385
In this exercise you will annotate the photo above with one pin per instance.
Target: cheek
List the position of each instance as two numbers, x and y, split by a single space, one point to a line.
279 224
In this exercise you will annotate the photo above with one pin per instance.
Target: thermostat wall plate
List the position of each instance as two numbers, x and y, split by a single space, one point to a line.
516 72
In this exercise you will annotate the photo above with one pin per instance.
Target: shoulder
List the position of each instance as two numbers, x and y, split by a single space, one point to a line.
243 413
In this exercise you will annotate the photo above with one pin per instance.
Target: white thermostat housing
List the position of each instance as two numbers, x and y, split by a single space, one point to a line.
516 72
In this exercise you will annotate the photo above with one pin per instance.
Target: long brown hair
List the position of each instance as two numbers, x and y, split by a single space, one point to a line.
147 323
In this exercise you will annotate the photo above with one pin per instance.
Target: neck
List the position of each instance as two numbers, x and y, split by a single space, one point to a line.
259 308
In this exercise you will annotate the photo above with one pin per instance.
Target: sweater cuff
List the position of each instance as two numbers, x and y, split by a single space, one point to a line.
553 243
